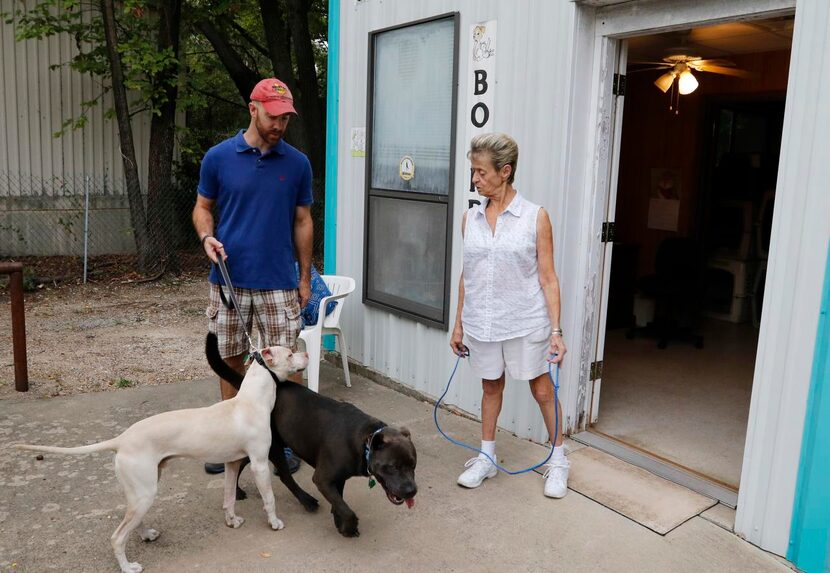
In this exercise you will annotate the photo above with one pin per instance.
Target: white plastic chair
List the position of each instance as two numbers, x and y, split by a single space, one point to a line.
312 334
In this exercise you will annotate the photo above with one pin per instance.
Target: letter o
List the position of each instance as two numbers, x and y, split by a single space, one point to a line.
474 114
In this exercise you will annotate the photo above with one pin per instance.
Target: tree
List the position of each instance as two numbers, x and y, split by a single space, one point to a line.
134 47
125 135
153 58
163 130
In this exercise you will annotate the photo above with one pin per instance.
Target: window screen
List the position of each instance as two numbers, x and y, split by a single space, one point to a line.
409 171
412 107
408 266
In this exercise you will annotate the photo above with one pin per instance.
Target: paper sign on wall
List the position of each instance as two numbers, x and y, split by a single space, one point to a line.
358 143
664 199
481 87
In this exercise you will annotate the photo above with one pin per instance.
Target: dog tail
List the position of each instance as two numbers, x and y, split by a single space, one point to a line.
99 447
218 365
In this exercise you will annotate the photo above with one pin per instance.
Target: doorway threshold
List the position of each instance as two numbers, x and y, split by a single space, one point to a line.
658 467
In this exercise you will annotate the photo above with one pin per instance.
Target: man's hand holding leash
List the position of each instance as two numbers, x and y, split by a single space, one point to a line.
212 247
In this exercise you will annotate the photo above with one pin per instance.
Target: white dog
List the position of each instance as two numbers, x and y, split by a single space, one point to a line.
224 432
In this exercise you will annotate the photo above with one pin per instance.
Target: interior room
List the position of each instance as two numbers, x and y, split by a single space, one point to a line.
701 136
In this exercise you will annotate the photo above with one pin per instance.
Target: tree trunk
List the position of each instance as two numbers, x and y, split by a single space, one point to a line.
160 205
242 76
309 86
125 136
278 39
313 107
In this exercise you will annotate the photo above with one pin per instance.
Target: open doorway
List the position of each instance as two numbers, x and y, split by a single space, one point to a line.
698 163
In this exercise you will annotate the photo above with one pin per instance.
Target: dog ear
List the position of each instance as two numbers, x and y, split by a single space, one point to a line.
405 432
267 355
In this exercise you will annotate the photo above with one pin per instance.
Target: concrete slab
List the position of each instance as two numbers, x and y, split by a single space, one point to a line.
57 514
649 500
720 515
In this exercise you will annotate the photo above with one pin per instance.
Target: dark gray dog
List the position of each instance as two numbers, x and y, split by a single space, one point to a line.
338 440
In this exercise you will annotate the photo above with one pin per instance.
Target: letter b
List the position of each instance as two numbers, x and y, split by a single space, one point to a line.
480 82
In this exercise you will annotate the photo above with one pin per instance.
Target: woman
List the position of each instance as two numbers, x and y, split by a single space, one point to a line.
508 302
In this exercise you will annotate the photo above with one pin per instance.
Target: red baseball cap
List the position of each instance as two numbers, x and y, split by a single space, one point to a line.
275 96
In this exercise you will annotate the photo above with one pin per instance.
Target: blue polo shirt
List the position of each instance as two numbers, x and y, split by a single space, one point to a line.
256 196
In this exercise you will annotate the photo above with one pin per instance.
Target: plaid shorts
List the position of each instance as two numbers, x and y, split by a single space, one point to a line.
277 315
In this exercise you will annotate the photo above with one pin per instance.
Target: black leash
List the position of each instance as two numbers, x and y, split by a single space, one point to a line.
234 304
223 270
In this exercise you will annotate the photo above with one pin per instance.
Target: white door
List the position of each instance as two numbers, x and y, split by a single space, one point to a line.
612 161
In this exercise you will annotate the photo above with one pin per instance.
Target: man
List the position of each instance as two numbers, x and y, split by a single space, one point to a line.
261 189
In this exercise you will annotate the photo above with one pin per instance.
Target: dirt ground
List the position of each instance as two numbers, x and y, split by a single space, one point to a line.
109 334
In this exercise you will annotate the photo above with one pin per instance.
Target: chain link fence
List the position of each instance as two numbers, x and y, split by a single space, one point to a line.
83 228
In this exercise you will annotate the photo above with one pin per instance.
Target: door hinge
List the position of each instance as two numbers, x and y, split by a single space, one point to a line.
596 370
619 84
609 230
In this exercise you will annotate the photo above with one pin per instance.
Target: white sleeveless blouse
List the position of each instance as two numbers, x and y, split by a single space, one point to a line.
503 298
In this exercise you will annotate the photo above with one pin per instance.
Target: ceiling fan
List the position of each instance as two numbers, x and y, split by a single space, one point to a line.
679 67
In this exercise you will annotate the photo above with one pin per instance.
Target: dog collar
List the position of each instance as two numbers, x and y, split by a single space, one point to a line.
261 361
367 452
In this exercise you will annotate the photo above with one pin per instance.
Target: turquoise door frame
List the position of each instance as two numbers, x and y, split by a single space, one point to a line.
332 122
332 117
810 530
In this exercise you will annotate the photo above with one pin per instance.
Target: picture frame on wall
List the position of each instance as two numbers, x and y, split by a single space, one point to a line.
664 198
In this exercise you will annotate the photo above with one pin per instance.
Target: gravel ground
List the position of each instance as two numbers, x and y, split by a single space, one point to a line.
108 335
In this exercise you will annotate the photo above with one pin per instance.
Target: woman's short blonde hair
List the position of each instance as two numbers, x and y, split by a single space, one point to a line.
500 147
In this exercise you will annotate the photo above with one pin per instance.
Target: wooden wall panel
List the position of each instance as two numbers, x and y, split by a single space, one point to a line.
655 137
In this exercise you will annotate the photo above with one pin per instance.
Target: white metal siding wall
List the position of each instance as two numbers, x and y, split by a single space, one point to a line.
800 235
34 102
532 100
532 103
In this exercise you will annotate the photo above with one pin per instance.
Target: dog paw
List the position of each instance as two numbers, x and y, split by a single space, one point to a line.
348 527
350 532
150 534
240 494
132 568
310 503
234 521
276 523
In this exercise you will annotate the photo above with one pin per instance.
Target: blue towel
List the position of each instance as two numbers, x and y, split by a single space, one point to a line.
319 290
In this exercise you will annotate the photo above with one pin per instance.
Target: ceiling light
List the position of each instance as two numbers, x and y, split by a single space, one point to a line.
687 83
664 82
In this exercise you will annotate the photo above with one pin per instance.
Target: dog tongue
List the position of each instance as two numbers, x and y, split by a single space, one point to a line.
410 503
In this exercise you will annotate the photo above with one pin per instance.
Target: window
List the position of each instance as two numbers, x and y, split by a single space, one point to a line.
409 168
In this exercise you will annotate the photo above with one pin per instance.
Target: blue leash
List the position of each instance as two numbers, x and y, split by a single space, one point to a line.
554 383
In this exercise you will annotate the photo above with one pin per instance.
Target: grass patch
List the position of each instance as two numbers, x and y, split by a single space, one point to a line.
124 383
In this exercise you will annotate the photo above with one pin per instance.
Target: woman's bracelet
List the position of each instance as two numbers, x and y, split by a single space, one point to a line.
205 238
556 332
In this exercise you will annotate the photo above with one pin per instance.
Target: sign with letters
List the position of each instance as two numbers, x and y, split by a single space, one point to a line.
481 68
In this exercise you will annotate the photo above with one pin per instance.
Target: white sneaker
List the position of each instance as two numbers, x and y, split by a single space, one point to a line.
478 470
556 478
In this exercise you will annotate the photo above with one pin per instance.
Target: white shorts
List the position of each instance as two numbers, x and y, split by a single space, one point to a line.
525 357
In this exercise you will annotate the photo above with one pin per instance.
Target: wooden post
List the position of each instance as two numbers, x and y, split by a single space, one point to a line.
21 370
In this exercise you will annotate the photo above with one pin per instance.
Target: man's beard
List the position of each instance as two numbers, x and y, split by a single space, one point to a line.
269 136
